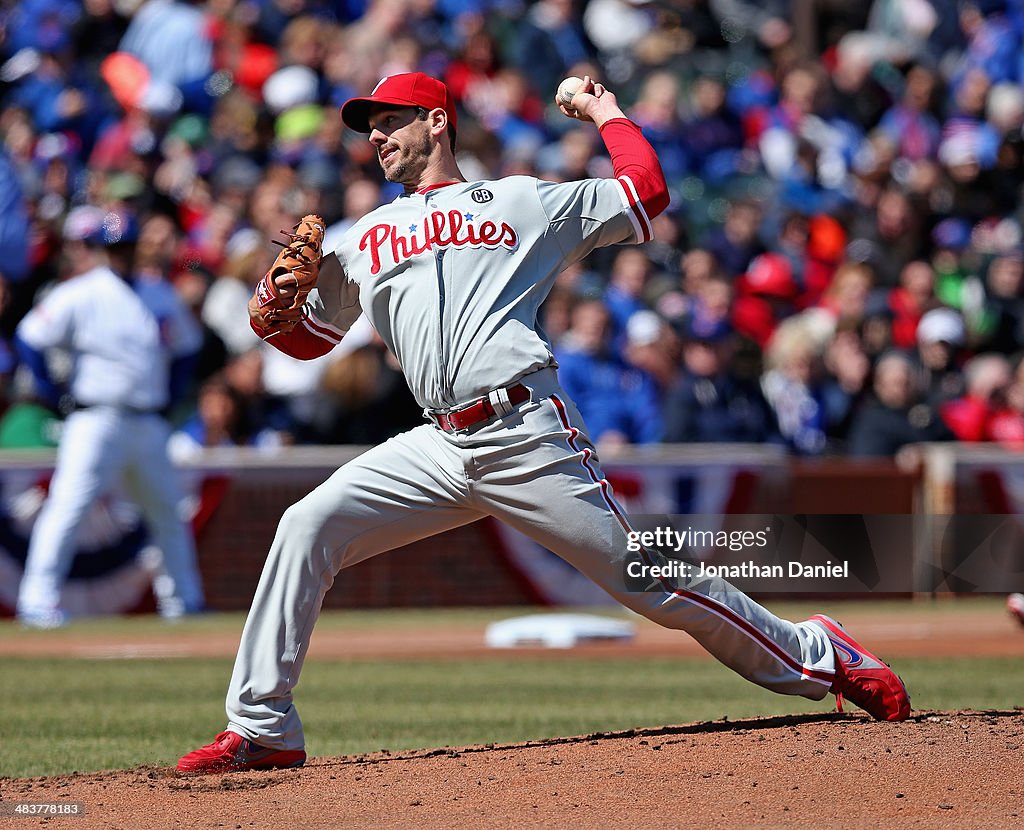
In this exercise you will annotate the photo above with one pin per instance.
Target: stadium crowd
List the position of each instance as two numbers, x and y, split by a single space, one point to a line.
841 269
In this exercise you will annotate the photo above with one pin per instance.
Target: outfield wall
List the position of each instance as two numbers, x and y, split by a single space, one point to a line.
237 496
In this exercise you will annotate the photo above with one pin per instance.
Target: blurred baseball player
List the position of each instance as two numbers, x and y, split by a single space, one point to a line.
451 274
120 383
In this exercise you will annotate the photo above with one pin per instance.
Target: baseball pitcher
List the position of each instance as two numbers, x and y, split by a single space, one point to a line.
451 274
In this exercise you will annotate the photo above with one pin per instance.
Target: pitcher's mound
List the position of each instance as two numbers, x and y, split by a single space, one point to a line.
939 769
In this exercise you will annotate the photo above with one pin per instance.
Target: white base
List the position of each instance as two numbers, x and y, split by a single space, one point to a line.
556 630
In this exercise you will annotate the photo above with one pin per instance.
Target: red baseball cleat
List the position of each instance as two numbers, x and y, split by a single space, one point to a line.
1015 605
862 678
230 752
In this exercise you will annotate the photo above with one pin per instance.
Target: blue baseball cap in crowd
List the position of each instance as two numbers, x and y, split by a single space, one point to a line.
952 233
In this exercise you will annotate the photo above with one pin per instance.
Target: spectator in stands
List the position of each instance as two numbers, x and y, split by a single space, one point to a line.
698 266
709 403
856 89
805 146
512 113
556 313
550 40
793 386
992 43
968 155
627 283
941 337
875 329
765 295
616 27
652 347
303 42
896 414
910 300
987 377
264 419
619 403
712 133
823 253
470 76
909 123
216 422
846 298
711 304
893 231
1004 303
844 385
793 234
362 195
1003 134
15 286
657 113
670 240
365 399
736 243
57 99
954 285
175 318
8 359
224 309
572 157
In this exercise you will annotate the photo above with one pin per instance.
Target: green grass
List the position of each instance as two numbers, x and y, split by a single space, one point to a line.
65 715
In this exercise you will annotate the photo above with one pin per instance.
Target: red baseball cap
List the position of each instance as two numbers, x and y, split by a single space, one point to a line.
408 89
769 275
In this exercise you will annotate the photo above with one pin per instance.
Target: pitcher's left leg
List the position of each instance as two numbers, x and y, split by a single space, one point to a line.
545 481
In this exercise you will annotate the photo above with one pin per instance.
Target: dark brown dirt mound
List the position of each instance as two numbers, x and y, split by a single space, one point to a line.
939 769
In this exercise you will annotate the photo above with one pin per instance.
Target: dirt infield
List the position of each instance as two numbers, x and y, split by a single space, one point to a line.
910 630
937 770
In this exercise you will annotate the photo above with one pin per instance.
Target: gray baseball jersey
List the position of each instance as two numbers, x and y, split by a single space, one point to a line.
452 278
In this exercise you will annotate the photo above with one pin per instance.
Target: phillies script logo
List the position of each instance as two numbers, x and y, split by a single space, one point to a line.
451 229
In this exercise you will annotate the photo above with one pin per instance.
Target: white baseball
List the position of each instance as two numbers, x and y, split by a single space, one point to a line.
567 89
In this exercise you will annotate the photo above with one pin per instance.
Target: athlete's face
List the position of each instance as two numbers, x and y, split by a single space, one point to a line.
403 143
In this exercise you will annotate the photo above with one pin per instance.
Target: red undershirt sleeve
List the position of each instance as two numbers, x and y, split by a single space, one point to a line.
638 170
304 342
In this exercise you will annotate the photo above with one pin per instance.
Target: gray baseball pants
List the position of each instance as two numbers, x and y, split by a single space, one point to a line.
534 469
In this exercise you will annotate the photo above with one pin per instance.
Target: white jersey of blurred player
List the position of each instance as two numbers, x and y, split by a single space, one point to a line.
120 384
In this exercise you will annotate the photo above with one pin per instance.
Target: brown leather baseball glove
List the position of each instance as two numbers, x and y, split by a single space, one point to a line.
282 292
